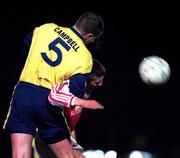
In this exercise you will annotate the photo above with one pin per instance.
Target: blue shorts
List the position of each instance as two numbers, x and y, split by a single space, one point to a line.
30 109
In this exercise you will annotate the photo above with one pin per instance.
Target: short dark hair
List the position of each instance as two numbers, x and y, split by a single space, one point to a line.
91 22
98 69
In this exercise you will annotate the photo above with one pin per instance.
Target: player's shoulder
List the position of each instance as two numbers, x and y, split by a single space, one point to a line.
86 56
87 62
48 26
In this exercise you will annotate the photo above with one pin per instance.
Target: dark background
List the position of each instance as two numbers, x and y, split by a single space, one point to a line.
136 116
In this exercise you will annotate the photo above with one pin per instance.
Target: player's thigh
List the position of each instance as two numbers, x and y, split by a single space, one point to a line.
21 144
62 149
42 148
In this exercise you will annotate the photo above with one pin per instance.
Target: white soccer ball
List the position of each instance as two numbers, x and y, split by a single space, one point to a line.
154 70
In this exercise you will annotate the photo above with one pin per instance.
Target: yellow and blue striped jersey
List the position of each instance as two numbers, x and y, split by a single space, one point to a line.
55 54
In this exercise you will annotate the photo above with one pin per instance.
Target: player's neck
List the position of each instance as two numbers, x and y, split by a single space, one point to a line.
77 30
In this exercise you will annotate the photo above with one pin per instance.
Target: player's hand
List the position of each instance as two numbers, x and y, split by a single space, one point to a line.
89 104
92 104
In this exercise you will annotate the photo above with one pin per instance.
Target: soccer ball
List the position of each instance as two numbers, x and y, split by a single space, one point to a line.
154 70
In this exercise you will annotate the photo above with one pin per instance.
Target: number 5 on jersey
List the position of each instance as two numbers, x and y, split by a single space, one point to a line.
53 46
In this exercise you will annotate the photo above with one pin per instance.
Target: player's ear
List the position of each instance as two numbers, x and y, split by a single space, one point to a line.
88 36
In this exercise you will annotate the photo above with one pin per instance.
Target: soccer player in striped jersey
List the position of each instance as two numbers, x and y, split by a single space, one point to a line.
56 55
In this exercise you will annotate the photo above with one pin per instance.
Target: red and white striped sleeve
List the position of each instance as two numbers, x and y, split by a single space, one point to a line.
60 95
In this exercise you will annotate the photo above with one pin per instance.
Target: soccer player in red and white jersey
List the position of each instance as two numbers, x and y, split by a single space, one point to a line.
95 80
72 114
